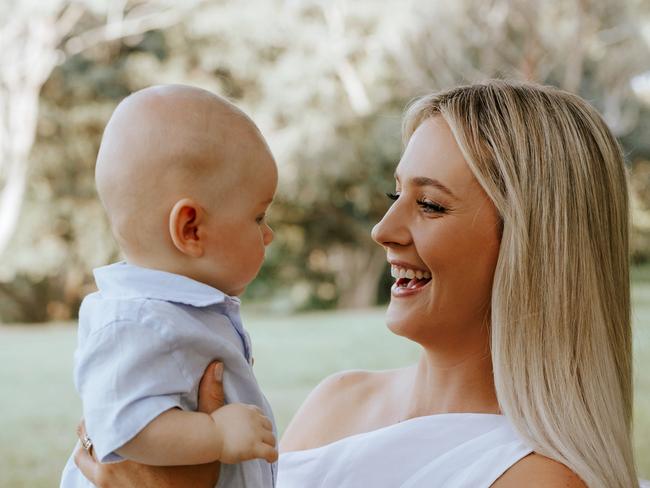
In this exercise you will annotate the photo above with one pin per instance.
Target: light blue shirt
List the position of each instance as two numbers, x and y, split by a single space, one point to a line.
145 339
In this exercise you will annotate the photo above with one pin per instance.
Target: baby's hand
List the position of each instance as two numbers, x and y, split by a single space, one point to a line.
245 433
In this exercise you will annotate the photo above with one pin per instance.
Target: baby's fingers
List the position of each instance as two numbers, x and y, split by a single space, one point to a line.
268 438
267 452
266 423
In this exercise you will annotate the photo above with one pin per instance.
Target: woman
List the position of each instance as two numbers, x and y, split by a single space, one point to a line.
508 236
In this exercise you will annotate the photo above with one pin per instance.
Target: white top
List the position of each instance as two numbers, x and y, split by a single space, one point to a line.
144 341
453 450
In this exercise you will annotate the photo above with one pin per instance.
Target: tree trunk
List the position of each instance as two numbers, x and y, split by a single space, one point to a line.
11 198
27 58
358 273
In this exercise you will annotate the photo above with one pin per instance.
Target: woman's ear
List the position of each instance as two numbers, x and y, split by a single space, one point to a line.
184 221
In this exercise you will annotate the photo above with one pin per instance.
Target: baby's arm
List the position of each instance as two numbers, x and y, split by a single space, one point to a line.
231 434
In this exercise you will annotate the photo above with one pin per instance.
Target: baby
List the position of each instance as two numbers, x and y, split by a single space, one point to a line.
185 178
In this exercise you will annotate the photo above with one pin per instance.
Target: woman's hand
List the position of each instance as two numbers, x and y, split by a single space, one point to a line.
128 474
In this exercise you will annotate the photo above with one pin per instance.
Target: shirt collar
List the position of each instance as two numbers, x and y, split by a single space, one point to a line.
124 280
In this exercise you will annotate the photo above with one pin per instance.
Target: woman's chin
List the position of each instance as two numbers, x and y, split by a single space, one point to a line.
406 314
396 320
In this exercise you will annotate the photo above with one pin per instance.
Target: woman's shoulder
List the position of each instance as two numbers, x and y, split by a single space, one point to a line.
340 406
537 471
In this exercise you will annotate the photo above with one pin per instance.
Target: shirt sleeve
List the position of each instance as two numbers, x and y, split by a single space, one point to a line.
126 374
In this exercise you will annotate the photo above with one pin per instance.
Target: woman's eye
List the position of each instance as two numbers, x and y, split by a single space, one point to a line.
431 207
426 205
260 218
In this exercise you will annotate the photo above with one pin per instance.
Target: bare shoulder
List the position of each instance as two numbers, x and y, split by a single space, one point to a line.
537 471
338 407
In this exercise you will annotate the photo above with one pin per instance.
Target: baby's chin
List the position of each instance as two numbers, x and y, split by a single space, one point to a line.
234 290
237 292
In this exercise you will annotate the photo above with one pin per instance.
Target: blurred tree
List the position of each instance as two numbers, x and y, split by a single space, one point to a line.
326 81
590 47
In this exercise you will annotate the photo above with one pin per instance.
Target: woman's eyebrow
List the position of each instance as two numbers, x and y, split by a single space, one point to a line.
426 181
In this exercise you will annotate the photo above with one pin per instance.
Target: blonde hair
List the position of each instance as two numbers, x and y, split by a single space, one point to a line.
560 320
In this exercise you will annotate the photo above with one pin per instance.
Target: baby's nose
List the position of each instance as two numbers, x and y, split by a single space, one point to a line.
268 236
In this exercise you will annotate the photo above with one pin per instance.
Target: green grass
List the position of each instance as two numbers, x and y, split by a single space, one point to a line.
292 353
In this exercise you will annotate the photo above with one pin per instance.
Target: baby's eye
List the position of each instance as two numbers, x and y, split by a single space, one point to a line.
431 207
260 218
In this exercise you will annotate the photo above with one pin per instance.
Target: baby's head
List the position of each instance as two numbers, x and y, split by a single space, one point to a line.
186 178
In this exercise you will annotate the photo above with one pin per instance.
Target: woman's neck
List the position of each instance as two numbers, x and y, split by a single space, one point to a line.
450 380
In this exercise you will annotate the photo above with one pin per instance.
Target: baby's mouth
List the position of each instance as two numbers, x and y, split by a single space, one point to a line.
409 278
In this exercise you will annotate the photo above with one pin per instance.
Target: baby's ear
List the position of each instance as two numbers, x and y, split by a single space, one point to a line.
184 221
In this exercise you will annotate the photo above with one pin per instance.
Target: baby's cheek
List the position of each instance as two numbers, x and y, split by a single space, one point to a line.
254 261
261 255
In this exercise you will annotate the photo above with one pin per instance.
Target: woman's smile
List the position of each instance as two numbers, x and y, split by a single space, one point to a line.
409 279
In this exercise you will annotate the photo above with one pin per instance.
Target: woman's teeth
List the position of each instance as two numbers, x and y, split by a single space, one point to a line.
409 278
398 272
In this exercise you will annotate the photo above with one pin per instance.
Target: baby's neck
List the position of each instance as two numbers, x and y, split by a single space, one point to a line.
192 268
159 263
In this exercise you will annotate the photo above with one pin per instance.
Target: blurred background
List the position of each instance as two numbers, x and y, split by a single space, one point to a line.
326 81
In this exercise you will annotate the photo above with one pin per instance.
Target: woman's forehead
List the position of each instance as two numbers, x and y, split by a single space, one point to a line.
432 158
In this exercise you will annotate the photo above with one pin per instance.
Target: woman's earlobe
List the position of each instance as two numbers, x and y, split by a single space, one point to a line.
184 220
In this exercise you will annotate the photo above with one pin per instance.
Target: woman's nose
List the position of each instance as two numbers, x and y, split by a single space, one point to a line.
391 230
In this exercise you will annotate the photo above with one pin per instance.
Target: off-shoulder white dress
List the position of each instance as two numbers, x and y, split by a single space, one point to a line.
452 450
